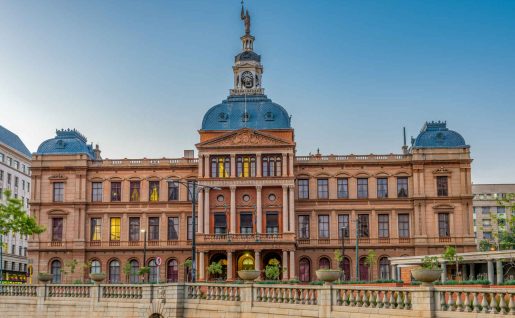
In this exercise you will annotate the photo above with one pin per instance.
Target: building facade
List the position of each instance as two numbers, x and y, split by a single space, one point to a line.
258 203
489 214
14 176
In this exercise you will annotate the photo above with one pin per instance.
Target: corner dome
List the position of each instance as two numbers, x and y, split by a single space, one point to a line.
66 142
261 113
437 135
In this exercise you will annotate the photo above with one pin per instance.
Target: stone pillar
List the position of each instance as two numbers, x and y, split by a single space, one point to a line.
285 165
292 265
394 272
472 271
285 265
291 164
490 266
259 165
200 211
259 212
206 211
233 166
233 210
229 266
464 273
200 269
444 272
291 207
201 166
500 273
423 302
257 261
206 166
285 208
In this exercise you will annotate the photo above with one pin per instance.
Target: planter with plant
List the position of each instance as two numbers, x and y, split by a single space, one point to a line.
214 269
328 275
97 277
273 270
44 277
428 271
451 255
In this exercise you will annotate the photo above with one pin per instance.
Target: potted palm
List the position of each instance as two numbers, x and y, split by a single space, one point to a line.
328 275
428 272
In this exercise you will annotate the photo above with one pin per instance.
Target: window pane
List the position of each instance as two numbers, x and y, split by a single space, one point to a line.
343 188
57 229
383 225
323 188
153 229
96 226
303 185
403 225
220 223
304 226
246 223
153 191
58 191
96 193
115 229
135 190
116 191
114 272
173 190
134 229
443 224
402 187
442 186
363 225
323 226
272 222
382 188
343 225
362 188
173 228
190 227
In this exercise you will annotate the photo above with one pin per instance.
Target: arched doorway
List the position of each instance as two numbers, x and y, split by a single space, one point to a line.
304 270
384 268
246 262
222 258
172 271
324 263
346 269
363 270
271 259
55 270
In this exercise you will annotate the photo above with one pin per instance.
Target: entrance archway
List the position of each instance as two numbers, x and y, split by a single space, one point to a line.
222 258
273 258
246 261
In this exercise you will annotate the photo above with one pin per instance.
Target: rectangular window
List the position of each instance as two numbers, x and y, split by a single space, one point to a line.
220 223
442 186
323 188
485 210
16 181
173 228
272 165
487 235
272 222
403 225
501 210
57 229
402 187
23 185
96 191
58 191
153 229
116 191
1 175
304 226
303 185
246 223
246 166
220 166
323 226
9 177
362 188
190 227
443 225
115 229
135 191
363 226
134 229
343 225
383 225
342 188
153 191
382 188
95 229
173 190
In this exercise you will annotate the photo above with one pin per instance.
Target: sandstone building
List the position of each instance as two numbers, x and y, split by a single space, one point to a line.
258 202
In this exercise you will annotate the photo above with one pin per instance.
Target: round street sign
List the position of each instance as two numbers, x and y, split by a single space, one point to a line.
158 261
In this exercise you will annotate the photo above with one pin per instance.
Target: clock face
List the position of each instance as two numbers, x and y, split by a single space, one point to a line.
247 79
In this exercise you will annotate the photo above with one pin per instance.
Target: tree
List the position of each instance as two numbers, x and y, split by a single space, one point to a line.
14 219
72 265
272 270
215 268
484 245
505 236
127 269
450 254
370 261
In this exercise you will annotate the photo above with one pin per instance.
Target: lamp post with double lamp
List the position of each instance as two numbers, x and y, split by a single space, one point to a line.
144 249
357 246
193 194
344 234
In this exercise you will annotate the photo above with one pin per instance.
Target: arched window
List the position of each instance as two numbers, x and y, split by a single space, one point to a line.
95 267
187 272
324 263
363 269
114 272
346 268
55 270
304 270
152 276
172 273
134 273
384 268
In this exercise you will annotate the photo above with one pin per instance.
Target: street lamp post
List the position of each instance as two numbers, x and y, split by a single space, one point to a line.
144 249
357 248
344 232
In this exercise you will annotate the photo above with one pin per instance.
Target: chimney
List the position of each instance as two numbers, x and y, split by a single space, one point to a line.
189 154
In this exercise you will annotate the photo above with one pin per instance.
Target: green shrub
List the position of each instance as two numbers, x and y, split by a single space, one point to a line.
430 262
509 282
316 282
465 282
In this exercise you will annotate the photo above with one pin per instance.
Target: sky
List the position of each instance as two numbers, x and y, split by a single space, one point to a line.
136 77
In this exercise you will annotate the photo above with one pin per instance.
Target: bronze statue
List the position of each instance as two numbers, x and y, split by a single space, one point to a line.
245 16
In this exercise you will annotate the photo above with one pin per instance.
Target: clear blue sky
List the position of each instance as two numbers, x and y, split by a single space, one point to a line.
137 76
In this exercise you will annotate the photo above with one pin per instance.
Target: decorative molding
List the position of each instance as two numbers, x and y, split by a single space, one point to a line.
442 206
245 137
57 177
442 171
57 212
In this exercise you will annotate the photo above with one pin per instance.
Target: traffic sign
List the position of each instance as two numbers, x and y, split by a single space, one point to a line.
158 261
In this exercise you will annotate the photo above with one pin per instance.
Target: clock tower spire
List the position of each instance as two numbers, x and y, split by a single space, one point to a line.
247 64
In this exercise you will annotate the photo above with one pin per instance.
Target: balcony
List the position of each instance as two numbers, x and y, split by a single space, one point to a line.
384 241
245 238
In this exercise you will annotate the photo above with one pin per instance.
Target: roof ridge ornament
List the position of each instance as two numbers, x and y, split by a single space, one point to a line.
245 17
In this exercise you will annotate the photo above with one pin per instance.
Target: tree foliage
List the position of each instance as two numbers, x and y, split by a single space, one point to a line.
14 219
370 261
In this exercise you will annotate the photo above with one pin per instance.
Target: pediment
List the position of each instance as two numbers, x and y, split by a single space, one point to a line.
245 138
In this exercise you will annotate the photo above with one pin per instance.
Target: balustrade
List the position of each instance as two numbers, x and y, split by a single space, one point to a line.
373 297
122 291
286 294
493 301
213 292
79 291
18 290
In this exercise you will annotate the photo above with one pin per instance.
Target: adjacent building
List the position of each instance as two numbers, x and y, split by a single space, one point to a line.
489 214
14 176
259 202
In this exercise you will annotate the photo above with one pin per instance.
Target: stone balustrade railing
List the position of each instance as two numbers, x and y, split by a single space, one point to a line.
69 291
306 295
122 291
476 300
373 297
18 290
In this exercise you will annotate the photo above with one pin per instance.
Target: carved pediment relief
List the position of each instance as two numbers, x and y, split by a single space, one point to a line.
442 171
440 207
57 177
243 138
58 212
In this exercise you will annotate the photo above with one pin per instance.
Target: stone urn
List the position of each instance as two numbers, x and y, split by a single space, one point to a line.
44 277
426 276
328 275
249 275
97 277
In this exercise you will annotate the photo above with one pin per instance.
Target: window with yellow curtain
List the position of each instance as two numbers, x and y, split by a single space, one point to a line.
153 188
96 224
246 166
220 166
115 229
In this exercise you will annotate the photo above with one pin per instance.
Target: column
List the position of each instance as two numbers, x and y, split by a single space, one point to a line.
206 211
257 261
291 189
285 165
500 274
292 265
394 272
285 208
200 210
491 276
206 166
291 164
201 166
259 212
259 165
472 271
200 270
444 272
285 265
233 166
229 266
233 210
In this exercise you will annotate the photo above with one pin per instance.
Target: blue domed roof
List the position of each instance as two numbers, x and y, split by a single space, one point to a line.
437 135
247 56
262 113
66 142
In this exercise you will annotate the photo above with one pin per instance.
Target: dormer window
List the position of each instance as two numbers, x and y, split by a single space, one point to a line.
269 116
223 117
245 117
